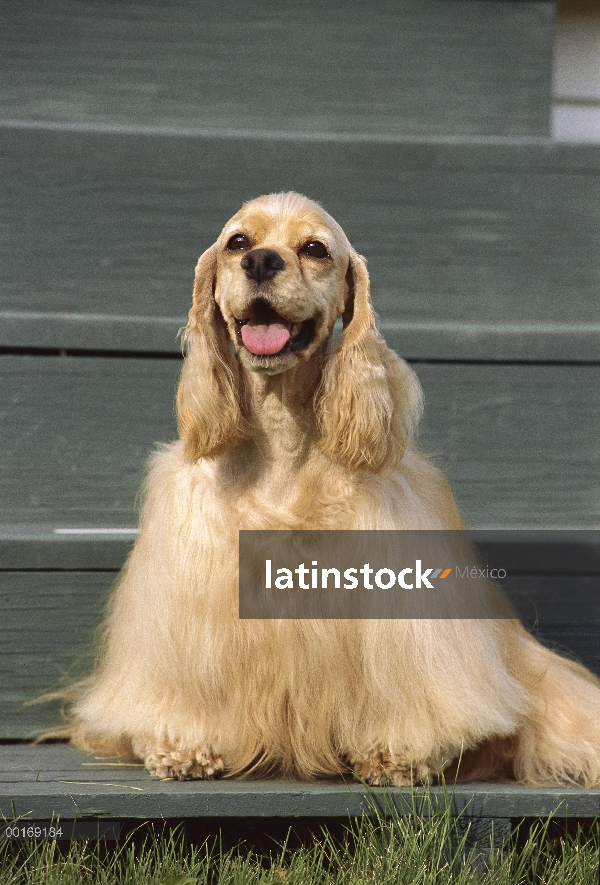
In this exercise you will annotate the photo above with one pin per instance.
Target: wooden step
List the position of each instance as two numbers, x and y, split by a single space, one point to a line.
48 781
475 251
519 443
408 66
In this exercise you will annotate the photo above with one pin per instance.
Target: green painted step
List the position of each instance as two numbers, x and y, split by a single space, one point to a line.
394 66
47 781
519 443
475 251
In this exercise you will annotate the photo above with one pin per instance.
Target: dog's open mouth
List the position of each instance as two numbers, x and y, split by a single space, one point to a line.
267 333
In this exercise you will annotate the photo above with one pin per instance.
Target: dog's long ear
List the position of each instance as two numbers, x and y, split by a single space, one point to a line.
211 397
368 398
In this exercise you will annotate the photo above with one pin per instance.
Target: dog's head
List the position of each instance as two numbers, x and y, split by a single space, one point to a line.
267 295
281 265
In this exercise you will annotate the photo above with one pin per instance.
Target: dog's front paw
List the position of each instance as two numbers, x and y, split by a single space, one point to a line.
182 766
383 769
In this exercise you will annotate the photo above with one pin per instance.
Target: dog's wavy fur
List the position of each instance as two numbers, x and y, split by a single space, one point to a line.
319 439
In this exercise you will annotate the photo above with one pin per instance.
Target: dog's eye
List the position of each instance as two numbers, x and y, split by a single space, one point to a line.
315 249
238 242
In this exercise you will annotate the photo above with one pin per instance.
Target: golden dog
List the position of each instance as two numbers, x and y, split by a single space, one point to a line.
283 428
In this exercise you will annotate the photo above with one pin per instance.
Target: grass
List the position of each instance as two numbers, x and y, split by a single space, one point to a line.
417 848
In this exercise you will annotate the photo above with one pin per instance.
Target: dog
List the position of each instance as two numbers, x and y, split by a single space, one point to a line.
285 426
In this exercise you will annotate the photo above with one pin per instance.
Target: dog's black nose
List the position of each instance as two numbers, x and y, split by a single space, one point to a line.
262 264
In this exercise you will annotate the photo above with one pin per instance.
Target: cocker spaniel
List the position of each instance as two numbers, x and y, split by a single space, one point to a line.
283 427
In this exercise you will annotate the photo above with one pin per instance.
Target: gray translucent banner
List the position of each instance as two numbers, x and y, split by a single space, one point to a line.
545 575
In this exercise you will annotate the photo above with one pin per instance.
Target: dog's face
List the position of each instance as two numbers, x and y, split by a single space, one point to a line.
281 280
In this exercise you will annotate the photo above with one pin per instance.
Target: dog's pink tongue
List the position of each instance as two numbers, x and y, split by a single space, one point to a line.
264 340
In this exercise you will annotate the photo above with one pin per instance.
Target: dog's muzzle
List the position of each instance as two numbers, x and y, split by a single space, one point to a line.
266 333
